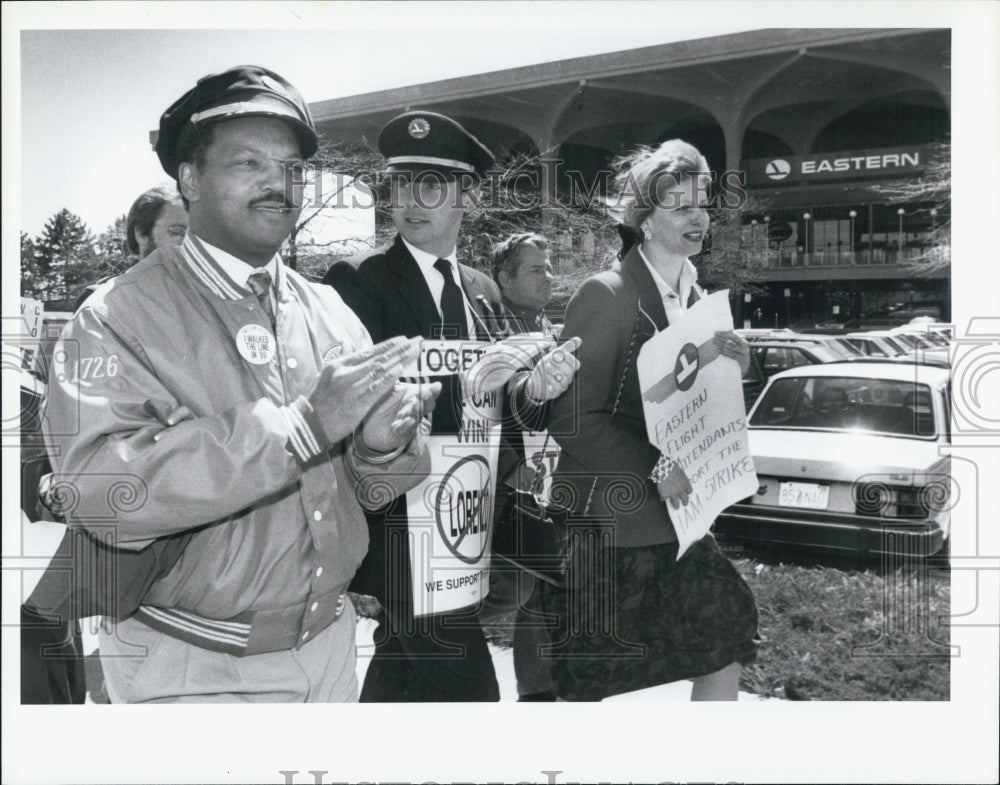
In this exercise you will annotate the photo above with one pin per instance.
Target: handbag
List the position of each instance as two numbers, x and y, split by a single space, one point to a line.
533 536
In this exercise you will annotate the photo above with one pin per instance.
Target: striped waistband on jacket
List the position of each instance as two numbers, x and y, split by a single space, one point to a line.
230 637
252 632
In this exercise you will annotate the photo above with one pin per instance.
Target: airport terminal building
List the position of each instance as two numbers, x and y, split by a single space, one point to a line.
816 119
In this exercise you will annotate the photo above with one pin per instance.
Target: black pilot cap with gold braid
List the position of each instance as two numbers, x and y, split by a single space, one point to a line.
244 91
427 140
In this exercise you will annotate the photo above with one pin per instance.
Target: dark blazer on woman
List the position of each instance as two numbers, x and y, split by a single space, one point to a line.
614 313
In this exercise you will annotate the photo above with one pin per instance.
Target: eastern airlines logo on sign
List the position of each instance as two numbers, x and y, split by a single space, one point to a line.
778 169
887 162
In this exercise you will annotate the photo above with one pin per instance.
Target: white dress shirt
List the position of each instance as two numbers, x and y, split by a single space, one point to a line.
674 303
240 271
435 279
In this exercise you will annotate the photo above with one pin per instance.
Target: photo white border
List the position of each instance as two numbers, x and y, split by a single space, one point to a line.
954 741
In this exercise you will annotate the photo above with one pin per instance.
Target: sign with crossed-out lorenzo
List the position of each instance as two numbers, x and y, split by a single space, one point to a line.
450 513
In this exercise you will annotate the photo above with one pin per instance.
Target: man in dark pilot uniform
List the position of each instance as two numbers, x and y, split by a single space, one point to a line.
417 287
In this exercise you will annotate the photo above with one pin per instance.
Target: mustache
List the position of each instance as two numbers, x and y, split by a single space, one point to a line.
275 197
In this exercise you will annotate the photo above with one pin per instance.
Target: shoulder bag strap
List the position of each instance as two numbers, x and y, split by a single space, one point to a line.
618 396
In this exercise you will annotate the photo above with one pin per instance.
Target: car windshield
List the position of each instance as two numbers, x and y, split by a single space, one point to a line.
839 349
898 345
924 340
848 348
872 347
934 338
842 403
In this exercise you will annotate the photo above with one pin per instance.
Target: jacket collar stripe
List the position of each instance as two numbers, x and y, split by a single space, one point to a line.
210 272
196 269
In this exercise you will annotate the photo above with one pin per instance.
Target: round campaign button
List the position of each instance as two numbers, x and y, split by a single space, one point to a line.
333 353
255 344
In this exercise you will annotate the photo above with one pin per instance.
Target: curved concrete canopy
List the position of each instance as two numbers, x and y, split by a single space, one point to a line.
765 81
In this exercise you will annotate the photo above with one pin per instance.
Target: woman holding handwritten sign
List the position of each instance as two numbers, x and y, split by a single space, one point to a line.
633 615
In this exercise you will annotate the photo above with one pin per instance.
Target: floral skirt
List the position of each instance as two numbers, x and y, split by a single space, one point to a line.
630 618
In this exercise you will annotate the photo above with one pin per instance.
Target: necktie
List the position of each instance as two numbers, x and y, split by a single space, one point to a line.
455 324
260 284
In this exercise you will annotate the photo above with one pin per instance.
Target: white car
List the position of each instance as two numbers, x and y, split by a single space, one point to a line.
924 348
851 456
834 343
879 343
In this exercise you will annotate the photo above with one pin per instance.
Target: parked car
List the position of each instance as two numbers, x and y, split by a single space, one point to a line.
877 344
932 337
848 457
930 328
763 332
753 382
776 356
834 343
921 346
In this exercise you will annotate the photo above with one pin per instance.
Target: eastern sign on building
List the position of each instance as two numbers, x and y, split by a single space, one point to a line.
821 167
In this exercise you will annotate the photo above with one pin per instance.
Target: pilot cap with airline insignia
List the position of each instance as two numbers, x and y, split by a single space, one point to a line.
427 140
244 91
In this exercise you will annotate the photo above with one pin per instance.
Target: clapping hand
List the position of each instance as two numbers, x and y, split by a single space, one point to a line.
350 386
502 361
393 421
554 372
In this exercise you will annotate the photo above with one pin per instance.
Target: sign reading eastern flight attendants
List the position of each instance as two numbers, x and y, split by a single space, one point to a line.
450 513
692 398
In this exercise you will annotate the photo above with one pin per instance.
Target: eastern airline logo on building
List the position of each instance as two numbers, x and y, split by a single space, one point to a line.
888 162
778 169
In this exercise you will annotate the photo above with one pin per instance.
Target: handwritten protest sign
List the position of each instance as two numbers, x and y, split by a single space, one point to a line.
450 513
692 399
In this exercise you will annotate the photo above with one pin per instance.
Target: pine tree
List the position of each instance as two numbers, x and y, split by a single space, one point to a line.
64 257
112 258
32 282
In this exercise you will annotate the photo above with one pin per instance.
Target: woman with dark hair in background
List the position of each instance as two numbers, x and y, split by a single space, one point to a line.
157 218
633 615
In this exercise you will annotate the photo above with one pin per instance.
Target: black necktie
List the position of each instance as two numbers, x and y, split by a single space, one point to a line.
260 284
454 323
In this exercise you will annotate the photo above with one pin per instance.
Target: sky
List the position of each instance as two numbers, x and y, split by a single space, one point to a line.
83 84
90 97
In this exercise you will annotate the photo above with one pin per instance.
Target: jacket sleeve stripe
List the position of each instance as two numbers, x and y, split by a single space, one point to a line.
302 434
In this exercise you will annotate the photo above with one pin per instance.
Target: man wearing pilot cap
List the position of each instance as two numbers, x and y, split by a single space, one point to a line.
417 287
246 410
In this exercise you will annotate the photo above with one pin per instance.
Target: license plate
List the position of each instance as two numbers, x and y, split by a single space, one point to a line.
804 494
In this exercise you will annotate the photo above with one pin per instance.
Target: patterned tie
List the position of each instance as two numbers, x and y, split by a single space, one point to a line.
260 284
452 304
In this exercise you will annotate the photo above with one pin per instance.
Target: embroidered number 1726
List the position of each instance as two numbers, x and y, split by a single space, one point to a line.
98 367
